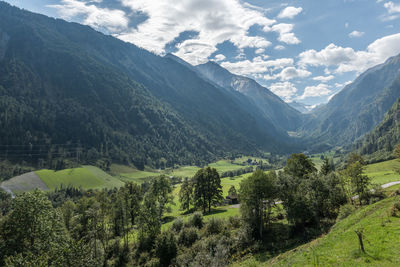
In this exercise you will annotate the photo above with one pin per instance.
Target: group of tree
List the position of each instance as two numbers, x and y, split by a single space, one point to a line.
122 227
203 191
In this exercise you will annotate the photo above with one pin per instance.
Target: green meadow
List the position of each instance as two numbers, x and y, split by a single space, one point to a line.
86 177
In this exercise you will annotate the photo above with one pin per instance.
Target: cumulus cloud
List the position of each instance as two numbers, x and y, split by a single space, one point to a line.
324 78
220 57
285 90
216 21
96 17
279 47
319 90
285 33
290 73
392 7
290 12
346 59
355 34
257 65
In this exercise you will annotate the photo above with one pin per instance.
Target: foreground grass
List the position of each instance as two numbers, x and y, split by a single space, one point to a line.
383 172
340 247
86 177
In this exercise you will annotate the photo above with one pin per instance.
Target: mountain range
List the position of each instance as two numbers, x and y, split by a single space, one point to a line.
68 90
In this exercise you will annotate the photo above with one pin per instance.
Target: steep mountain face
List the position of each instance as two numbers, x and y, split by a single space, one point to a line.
66 83
358 108
300 107
271 106
380 142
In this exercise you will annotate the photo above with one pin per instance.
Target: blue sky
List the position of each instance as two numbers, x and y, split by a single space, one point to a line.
304 51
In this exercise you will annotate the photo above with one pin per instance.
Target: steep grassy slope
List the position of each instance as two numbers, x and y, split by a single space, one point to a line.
383 172
340 246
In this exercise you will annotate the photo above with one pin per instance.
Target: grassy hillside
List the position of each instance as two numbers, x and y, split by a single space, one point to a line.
340 247
87 177
383 172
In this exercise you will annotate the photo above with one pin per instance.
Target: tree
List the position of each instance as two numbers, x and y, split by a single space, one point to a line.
161 189
354 157
33 229
232 191
299 165
207 188
327 167
359 182
257 197
166 248
148 222
396 152
186 194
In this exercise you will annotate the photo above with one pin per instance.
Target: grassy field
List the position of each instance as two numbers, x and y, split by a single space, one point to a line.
383 172
87 177
131 174
340 246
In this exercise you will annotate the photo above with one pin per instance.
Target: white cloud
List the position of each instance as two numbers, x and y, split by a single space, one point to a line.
216 21
316 91
98 18
341 85
392 7
285 33
290 12
355 34
220 57
290 73
324 78
279 47
346 59
346 25
286 90
257 65
260 51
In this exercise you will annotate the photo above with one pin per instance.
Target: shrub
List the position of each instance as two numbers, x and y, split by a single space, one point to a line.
214 226
188 236
177 225
345 211
235 221
395 211
196 220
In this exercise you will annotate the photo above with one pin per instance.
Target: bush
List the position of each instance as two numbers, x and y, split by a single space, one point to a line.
188 236
196 220
345 211
395 211
177 225
214 226
235 222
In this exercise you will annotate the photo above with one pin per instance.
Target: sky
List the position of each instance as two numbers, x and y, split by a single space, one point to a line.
304 51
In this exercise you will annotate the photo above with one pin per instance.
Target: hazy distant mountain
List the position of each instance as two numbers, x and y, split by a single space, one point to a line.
358 108
64 83
271 106
303 108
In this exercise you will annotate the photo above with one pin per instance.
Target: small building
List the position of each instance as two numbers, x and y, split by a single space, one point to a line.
232 200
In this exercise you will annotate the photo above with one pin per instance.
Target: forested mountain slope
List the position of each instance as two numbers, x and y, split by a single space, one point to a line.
358 108
380 143
64 83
